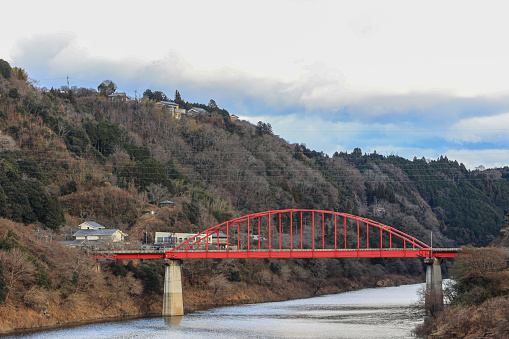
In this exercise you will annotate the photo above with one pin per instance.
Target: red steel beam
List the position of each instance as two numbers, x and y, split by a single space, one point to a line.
418 249
371 253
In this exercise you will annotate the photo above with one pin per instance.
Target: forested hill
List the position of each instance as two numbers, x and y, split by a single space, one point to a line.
73 155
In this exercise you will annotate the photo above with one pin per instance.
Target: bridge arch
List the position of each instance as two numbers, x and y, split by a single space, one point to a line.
301 233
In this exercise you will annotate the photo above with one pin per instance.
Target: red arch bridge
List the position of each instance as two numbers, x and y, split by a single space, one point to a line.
292 233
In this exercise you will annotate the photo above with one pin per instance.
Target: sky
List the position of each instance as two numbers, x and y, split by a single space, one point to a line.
408 78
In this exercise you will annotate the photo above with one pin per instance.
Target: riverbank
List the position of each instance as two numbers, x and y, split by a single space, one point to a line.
78 311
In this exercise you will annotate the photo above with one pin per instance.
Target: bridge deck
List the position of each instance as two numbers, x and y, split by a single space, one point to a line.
284 253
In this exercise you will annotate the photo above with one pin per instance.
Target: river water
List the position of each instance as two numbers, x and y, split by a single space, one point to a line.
370 313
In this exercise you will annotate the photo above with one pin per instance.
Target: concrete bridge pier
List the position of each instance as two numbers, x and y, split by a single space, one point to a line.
173 302
433 275
434 298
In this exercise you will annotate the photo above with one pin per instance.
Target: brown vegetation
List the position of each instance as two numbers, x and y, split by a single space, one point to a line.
480 297
488 320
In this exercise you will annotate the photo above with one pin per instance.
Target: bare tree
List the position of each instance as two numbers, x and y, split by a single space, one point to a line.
62 128
218 282
156 193
478 263
17 268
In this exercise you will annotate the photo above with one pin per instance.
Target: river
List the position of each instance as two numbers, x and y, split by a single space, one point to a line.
370 313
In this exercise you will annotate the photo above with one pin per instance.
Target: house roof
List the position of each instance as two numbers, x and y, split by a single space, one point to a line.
221 235
92 224
106 231
166 202
197 109
168 103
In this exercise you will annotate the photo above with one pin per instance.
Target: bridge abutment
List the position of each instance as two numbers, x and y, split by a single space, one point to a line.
173 302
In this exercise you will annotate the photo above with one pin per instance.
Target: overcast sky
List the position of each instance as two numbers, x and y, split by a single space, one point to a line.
410 78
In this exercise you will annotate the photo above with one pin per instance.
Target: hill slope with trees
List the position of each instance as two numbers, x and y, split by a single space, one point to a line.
69 155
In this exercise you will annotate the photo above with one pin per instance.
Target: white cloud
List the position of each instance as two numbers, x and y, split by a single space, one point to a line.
364 49
369 72
494 128
489 158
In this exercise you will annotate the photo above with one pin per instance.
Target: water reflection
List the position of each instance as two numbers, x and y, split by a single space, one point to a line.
370 313
173 321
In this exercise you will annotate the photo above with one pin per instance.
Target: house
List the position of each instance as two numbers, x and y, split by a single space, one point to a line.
221 239
171 107
193 112
91 225
100 235
179 112
168 203
118 97
91 233
234 117
161 104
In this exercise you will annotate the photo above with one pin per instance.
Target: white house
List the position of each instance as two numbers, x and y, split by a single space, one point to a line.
172 239
91 225
90 231
104 235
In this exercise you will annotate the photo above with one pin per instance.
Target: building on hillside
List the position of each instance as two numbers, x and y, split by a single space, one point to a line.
173 239
179 113
91 225
193 112
233 117
93 235
118 97
162 104
103 235
172 108
167 203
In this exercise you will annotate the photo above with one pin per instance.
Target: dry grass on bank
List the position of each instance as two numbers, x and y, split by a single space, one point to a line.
489 320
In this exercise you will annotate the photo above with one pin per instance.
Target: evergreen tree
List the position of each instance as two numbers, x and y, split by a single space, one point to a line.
212 105
3 285
54 216
107 87
5 69
178 98
148 94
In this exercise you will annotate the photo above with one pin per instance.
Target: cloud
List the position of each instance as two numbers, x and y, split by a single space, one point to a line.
318 102
42 51
494 129
490 158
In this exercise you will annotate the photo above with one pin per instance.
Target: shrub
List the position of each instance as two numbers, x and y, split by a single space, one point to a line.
479 274
13 93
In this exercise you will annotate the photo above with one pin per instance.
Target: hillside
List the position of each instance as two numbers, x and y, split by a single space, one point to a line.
70 156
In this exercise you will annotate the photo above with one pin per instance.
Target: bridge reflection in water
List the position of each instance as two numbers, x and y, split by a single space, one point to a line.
293 233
